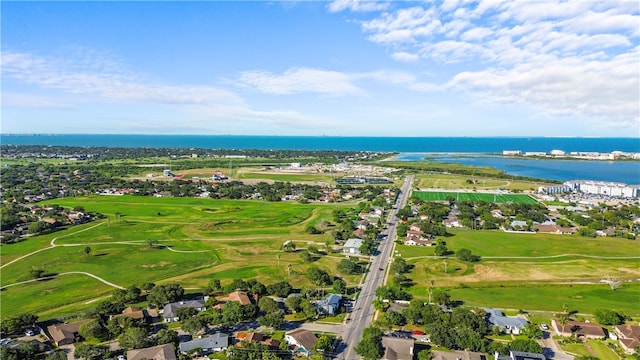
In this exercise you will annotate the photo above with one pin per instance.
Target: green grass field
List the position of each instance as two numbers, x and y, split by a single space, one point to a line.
517 269
472 196
196 240
450 181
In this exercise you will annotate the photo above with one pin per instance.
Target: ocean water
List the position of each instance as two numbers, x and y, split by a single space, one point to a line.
411 148
563 170
395 144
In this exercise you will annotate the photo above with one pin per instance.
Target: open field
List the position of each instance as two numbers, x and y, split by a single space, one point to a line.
515 266
455 181
194 241
472 196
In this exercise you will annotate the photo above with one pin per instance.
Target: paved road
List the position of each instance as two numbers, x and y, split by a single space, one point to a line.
363 310
551 348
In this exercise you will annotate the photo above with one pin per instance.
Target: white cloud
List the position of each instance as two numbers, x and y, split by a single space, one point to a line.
557 57
301 80
104 83
405 56
356 5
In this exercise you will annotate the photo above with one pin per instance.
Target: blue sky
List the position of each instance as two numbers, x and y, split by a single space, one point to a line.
431 68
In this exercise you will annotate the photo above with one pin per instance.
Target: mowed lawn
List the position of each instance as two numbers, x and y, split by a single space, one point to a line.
194 241
518 270
451 181
473 196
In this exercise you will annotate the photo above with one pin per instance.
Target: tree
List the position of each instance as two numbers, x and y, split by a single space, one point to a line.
36 273
164 294
339 286
306 256
281 289
466 255
289 246
424 354
213 287
273 319
349 267
58 355
133 338
441 250
87 250
442 298
185 312
324 343
318 276
91 352
609 317
93 329
192 325
166 336
395 318
370 347
267 305
400 266
532 330
526 345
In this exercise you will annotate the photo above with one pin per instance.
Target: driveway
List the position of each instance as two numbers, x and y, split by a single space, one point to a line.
551 349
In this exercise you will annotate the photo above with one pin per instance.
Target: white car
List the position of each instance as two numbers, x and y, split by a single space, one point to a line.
544 327
29 332
121 357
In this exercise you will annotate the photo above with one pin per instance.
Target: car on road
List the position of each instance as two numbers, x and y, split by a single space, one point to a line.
381 269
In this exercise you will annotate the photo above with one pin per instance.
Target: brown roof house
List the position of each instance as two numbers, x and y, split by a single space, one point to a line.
64 334
303 340
629 336
239 296
397 348
160 352
588 330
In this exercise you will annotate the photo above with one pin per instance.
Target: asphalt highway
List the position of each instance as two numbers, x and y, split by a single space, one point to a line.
363 311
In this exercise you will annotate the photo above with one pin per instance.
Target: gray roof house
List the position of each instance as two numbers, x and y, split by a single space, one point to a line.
330 305
520 355
509 325
352 246
213 343
169 310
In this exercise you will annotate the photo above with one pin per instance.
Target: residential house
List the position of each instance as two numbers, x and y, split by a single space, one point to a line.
160 352
302 340
169 310
519 225
397 348
520 355
330 305
553 229
352 247
629 336
239 296
415 227
64 334
457 355
137 314
588 330
452 222
417 240
361 224
214 343
509 325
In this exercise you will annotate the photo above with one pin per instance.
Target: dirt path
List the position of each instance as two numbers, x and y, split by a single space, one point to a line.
66 273
52 245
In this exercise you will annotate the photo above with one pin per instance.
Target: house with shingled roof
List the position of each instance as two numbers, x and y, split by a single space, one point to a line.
160 352
302 340
629 337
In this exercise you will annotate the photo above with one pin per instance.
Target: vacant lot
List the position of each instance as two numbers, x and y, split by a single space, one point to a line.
160 240
471 182
530 271
473 196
